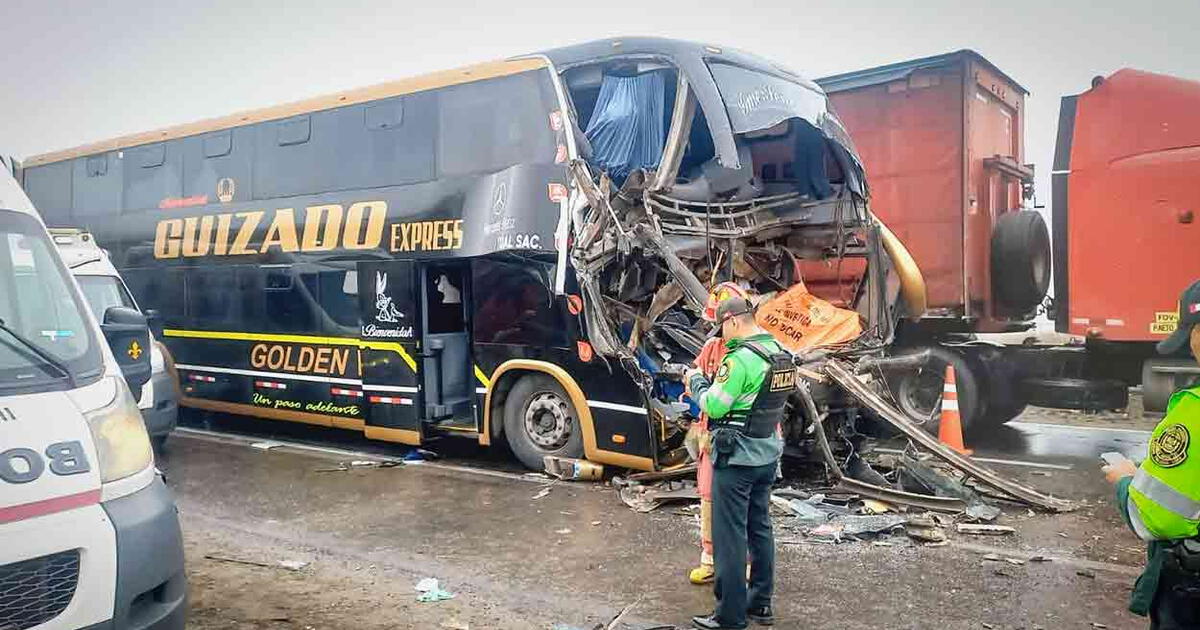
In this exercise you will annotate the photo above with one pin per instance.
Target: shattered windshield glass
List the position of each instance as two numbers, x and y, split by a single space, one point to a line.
757 101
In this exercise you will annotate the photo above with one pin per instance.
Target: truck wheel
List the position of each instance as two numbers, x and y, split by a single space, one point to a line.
540 420
917 392
1002 411
1163 377
1020 260
1076 393
1001 380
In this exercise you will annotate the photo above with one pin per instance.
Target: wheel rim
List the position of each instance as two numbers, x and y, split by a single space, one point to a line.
548 421
919 392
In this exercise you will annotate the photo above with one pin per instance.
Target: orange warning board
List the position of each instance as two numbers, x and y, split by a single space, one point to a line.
800 320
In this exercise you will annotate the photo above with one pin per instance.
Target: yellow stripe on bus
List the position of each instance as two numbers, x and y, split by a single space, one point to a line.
329 341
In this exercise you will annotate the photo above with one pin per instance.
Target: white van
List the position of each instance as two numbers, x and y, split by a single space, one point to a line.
89 536
103 287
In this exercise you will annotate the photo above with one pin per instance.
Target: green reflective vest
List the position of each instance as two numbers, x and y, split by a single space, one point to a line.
1166 489
1161 503
733 391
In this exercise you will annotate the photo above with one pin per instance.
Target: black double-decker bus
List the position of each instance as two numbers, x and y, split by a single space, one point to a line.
513 250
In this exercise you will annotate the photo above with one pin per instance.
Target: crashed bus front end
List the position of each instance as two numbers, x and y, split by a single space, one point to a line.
698 166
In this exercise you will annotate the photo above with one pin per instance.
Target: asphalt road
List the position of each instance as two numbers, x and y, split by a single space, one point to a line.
577 556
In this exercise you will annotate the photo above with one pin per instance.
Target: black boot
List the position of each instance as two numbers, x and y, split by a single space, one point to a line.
710 622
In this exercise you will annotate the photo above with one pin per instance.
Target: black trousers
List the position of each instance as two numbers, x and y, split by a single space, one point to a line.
741 498
1177 603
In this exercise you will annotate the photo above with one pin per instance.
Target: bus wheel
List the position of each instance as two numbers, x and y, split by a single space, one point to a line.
540 420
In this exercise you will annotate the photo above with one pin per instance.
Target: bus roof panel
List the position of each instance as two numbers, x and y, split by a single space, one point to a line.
276 112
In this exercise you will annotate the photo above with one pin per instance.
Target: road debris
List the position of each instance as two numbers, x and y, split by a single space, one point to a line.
429 590
542 493
571 469
360 464
288 565
265 445
985 530
647 498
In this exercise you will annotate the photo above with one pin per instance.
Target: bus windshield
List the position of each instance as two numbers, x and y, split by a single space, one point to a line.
45 330
757 101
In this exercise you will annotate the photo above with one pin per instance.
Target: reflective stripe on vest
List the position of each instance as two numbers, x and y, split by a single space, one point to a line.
1165 496
1135 519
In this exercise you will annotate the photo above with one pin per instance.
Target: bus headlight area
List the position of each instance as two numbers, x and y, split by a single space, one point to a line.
122 443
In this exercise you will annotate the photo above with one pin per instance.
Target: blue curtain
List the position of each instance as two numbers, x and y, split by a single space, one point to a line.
627 130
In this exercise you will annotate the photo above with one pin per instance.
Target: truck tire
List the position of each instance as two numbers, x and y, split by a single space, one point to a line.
1076 393
1000 378
1161 378
540 420
918 391
1020 260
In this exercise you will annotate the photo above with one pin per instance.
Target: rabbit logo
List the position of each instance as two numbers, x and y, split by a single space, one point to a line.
387 311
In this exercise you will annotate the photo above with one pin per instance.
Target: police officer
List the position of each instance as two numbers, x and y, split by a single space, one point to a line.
1160 499
744 404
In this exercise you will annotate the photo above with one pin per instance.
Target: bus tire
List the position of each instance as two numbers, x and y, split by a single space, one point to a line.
540 420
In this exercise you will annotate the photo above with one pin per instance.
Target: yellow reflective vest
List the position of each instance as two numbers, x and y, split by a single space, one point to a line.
1165 493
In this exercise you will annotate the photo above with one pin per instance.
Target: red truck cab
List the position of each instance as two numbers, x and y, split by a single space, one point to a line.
1126 240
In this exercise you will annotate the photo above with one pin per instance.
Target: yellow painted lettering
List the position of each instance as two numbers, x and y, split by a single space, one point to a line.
250 222
166 238
195 242
358 236
322 224
282 232
221 245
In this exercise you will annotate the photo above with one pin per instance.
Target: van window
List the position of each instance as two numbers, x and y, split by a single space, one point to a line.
39 309
103 292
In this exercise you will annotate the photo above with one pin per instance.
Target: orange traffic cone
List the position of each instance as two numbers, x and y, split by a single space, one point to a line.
950 428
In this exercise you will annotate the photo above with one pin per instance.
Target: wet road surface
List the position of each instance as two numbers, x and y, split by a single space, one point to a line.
577 556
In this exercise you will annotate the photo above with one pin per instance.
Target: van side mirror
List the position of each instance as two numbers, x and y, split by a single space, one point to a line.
129 338
155 321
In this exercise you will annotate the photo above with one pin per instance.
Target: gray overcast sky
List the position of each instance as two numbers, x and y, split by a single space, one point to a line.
80 71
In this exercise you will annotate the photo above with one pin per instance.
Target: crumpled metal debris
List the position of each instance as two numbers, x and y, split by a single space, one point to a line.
647 498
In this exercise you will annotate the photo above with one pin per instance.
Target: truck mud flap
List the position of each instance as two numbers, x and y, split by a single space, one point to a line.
841 374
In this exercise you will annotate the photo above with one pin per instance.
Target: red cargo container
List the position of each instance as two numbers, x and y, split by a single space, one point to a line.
1125 203
942 141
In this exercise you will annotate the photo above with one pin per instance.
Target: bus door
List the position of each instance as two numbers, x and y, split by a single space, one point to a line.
446 372
390 307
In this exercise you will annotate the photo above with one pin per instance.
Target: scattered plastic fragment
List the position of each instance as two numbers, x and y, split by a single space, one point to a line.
429 591
265 445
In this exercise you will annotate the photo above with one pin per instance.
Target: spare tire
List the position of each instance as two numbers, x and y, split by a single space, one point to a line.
1020 260
1076 393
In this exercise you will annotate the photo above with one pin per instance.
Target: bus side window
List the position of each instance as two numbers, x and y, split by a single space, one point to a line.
513 304
487 126
250 285
159 289
287 305
327 287
210 302
152 173
96 188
